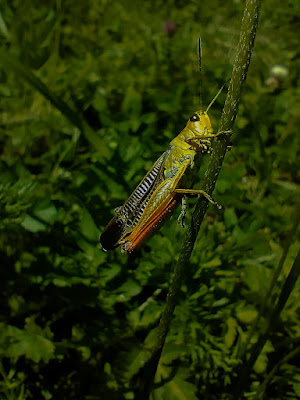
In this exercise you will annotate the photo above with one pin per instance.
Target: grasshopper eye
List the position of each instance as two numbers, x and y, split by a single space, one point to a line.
194 118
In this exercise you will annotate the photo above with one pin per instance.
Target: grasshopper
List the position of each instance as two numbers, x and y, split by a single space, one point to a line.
162 189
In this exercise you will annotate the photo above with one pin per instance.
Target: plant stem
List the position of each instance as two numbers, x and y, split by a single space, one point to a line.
23 72
269 297
274 317
261 391
239 73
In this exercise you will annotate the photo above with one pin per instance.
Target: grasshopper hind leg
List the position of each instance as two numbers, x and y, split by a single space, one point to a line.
196 192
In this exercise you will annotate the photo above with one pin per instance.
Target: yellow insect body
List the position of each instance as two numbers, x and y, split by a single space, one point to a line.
161 189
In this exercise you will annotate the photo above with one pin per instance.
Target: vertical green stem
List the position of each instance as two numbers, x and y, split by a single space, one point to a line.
240 69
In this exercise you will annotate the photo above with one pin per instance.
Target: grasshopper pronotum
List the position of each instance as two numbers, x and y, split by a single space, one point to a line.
161 190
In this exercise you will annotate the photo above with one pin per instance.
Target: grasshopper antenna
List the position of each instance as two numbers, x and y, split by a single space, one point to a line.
217 95
200 70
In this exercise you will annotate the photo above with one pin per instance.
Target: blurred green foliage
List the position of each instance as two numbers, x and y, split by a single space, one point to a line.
77 323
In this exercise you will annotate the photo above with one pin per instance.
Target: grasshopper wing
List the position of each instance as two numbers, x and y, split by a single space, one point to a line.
128 215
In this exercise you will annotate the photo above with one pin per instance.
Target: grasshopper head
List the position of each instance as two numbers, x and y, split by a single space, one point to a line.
200 124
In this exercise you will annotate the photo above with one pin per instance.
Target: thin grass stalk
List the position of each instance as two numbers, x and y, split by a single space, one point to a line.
21 71
269 295
260 394
243 382
244 50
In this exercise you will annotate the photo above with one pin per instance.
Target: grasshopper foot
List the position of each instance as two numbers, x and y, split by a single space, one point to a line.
211 200
126 247
223 133
196 192
229 147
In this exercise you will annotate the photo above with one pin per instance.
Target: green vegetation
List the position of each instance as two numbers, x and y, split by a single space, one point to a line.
91 94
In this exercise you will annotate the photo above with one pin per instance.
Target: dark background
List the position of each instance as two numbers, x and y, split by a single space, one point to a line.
76 322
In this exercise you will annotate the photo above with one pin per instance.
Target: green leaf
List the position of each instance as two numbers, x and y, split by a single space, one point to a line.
135 360
172 351
231 331
261 363
132 102
108 272
296 386
128 289
88 227
247 315
46 212
257 276
176 389
33 225
145 317
230 217
3 27
33 342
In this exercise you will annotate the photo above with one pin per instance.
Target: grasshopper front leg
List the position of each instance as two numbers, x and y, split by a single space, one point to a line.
200 145
203 144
